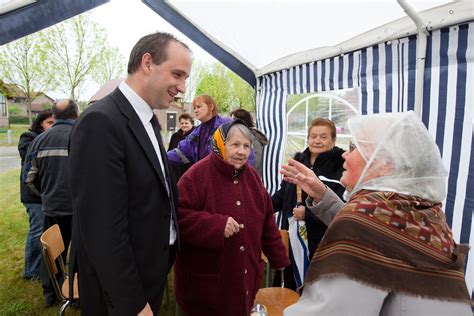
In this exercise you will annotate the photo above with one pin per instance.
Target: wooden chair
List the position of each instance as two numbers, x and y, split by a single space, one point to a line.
53 246
276 299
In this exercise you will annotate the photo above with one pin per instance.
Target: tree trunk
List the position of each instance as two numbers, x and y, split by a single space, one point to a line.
28 109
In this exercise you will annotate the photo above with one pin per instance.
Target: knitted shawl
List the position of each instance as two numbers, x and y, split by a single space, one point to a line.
394 242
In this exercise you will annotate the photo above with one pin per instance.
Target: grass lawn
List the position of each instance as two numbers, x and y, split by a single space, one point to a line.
17 130
19 296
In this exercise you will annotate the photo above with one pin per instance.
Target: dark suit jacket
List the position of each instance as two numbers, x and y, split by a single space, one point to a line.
121 210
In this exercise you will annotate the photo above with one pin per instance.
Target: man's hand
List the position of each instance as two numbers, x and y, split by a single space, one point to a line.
298 213
231 227
146 311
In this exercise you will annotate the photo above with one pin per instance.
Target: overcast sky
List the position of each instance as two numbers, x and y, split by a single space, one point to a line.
126 21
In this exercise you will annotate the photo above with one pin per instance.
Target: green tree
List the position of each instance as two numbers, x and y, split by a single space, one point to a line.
24 63
244 94
14 110
111 66
75 48
228 90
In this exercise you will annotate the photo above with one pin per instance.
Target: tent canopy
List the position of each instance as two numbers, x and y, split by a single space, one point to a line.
254 38
19 18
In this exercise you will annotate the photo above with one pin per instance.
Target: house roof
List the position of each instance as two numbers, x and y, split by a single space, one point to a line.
106 89
13 91
38 103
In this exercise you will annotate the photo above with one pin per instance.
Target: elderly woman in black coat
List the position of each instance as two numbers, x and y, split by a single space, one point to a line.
325 159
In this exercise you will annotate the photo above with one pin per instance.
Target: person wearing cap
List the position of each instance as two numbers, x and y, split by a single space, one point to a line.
388 250
226 221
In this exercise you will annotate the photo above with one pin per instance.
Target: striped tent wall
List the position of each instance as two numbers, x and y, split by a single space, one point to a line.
386 75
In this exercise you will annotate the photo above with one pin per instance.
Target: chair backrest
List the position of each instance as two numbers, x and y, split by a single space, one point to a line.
285 238
53 245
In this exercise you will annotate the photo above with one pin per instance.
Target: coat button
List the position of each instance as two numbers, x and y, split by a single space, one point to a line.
238 203
242 248
247 292
236 181
245 271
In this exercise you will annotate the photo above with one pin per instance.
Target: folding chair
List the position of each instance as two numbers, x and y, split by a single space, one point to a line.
53 246
276 299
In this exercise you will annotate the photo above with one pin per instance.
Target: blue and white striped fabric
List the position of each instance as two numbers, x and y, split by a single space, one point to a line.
386 74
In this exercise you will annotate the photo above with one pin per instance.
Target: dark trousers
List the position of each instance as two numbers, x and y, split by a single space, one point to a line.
93 300
65 225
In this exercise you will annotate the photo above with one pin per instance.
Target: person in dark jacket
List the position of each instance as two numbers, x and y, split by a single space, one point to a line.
47 175
259 141
186 123
325 159
32 202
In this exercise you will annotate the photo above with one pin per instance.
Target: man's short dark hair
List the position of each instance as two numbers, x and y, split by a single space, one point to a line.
186 116
155 44
71 112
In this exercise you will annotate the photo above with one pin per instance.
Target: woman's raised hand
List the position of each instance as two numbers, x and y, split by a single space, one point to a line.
297 173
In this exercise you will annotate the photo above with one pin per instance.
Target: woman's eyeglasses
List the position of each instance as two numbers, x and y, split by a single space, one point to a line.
352 146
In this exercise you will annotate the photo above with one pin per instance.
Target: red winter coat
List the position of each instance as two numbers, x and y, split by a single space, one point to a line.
215 275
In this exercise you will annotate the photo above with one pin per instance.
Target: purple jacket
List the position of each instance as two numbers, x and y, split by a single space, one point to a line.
187 150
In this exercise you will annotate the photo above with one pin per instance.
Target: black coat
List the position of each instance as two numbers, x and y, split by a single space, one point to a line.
46 169
122 210
179 170
26 196
329 165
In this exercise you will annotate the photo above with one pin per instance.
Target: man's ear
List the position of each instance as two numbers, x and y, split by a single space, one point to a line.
146 63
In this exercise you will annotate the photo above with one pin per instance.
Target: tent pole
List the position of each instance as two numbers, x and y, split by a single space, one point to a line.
420 52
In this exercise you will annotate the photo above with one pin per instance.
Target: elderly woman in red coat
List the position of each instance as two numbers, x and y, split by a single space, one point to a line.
226 221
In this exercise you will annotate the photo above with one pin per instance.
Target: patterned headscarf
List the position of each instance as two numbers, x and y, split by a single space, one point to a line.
219 139
220 136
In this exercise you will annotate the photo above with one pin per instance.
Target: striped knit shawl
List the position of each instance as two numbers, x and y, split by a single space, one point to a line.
394 242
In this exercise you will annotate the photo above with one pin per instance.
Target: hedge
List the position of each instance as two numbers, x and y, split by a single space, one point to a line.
19 120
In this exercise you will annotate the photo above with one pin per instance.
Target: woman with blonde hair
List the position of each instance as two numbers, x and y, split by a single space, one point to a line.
197 145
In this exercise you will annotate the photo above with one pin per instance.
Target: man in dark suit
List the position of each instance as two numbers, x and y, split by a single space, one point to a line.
124 201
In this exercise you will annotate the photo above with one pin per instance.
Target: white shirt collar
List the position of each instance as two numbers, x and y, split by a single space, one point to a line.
142 108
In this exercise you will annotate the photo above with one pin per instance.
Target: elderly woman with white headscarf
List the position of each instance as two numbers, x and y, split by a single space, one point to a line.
388 250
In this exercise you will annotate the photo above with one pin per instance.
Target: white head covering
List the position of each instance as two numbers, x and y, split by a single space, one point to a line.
400 154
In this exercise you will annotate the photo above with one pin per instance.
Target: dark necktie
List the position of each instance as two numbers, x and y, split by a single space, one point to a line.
156 128
164 158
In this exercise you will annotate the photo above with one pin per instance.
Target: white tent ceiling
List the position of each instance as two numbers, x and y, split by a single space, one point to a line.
266 36
264 31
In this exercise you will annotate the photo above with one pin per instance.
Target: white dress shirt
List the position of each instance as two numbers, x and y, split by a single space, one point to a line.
145 113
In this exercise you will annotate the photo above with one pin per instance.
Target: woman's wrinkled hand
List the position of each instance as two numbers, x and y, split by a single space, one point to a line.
231 227
298 213
297 173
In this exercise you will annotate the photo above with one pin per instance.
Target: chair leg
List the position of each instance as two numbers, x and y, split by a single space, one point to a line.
64 307
268 279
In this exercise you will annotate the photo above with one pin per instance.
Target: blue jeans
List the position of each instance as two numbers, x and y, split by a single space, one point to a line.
33 253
